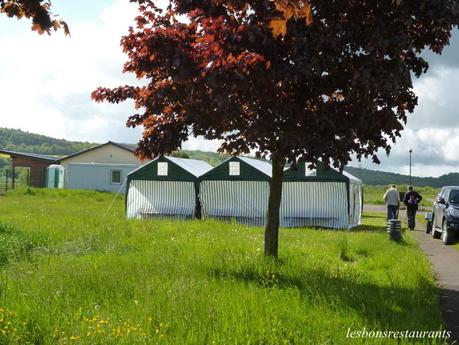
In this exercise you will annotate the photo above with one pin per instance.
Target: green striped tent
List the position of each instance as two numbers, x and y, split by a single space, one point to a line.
320 197
166 186
237 189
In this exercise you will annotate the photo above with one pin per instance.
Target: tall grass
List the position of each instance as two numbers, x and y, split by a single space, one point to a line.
71 276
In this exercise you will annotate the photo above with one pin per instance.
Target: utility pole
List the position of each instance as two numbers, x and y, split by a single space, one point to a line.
410 151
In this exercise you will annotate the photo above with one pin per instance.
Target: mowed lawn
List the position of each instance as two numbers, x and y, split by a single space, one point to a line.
69 275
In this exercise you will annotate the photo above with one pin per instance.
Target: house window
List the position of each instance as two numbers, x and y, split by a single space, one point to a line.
162 169
234 168
309 171
115 177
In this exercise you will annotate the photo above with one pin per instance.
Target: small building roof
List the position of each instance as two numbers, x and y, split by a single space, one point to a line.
28 155
130 147
121 146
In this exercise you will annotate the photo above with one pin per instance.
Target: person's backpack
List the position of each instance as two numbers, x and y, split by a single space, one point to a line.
412 201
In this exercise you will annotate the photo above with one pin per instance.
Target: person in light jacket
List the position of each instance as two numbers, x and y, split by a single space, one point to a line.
392 201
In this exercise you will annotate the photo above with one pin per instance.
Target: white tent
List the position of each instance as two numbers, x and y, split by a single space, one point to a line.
237 189
165 187
320 197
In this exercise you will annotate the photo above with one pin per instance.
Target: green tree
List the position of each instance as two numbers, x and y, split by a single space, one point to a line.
321 81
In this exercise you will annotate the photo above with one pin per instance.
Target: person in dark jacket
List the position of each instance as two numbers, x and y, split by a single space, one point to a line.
411 201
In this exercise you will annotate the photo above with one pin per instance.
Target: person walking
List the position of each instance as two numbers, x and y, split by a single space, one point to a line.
411 201
392 201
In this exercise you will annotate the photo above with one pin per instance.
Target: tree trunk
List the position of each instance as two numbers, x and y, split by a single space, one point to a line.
275 194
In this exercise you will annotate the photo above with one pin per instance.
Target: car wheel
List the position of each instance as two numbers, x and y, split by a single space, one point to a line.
446 235
435 233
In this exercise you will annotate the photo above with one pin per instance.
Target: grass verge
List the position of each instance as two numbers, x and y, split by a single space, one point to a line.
72 276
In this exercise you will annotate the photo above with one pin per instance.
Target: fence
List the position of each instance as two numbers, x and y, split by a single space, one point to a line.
6 181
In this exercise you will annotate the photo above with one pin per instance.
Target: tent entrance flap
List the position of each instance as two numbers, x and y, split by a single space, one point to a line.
151 199
321 204
244 201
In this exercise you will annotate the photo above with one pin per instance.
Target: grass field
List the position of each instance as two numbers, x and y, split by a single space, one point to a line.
69 275
374 194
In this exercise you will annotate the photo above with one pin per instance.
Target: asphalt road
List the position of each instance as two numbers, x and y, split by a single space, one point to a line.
444 261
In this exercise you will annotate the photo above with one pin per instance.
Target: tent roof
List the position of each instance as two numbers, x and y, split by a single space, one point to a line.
250 170
180 169
194 166
322 174
352 177
262 166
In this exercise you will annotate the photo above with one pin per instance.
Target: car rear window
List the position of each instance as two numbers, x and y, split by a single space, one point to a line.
454 197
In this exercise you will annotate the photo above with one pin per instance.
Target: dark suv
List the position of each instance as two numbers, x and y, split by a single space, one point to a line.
445 212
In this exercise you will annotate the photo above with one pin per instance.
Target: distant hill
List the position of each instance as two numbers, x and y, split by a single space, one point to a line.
17 140
212 158
373 177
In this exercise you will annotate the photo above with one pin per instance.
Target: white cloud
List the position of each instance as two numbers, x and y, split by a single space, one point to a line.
435 152
432 130
437 92
47 80
201 144
45 86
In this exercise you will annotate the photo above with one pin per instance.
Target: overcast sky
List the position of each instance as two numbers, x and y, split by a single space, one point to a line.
45 86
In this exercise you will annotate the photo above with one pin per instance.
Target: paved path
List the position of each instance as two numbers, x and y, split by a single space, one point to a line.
374 208
445 264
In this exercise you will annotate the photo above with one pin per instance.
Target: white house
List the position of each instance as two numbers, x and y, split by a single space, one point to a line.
103 167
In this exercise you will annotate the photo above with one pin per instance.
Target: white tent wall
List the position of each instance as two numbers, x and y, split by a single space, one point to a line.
147 199
322 204
246 201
